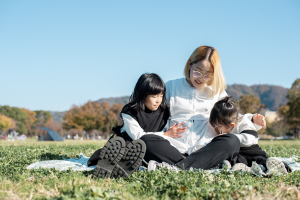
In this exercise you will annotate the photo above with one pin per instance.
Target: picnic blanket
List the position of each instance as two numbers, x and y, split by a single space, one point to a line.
75 164
80 164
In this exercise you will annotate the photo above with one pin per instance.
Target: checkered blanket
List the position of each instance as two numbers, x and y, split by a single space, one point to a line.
80 164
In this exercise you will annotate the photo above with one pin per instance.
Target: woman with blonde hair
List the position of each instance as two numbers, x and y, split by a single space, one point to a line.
192 141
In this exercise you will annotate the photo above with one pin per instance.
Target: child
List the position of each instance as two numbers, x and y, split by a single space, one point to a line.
145 113
225 119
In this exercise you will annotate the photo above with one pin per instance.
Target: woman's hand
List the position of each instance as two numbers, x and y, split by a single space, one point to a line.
175 130
259 120
120 120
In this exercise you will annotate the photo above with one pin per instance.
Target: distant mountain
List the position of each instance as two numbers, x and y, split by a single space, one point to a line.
271 95
57 116
114 100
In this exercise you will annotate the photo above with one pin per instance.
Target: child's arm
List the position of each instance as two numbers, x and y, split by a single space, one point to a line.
258 120
246 132
133 129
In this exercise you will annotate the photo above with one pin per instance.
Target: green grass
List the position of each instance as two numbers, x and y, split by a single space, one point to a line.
18 183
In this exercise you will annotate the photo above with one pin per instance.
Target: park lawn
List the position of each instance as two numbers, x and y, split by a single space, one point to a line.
19 183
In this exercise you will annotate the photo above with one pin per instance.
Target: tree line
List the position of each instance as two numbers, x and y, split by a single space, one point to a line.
22 120
288 115
92 116
101 117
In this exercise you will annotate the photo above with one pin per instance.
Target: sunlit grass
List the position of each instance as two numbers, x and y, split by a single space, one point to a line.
34 141
19 183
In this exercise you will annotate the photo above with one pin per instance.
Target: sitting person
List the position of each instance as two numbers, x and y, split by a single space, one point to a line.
190 100
146 113
225 119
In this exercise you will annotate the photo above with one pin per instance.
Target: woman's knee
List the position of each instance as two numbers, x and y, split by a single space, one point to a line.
151 139
230 142
233 140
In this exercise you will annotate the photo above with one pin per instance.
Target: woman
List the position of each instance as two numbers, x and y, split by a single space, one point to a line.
190 101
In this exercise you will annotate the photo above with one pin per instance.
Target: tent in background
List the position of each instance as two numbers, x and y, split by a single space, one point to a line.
49 135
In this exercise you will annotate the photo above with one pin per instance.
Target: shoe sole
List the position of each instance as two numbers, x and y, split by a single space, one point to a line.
110 155
256 170
133 156
273 163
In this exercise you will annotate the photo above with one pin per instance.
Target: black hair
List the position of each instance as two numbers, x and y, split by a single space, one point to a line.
148 84
224 112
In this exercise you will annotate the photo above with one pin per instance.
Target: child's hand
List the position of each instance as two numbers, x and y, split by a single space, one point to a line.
120 120
259 120
175 130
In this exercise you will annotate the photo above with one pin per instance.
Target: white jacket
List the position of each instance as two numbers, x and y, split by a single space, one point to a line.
244 123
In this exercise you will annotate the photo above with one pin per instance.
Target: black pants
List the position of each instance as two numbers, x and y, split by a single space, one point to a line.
249 154
253 153
224 147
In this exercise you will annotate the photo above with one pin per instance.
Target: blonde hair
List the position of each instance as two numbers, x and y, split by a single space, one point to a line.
217 83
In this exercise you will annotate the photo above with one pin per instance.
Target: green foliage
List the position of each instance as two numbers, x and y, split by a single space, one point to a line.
21 128
42 117
16 114
92 115
17 181
26 120
249 104
5 123
291 111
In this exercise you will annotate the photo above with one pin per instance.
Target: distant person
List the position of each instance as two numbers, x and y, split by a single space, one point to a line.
225 118
11 131
10 134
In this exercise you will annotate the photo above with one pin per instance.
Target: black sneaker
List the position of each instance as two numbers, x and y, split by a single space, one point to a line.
133 156
110 155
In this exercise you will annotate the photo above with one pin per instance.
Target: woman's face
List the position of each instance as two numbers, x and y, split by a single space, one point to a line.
200 73
152 102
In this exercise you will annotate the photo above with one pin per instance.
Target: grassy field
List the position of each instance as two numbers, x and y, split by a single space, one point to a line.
19 183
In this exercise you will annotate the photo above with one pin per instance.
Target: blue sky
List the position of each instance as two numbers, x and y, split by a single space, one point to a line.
54 54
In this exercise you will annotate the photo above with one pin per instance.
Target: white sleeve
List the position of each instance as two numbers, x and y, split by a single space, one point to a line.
246 139
250 116
133 129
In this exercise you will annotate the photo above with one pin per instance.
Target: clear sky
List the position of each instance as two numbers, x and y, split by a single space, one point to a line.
54 54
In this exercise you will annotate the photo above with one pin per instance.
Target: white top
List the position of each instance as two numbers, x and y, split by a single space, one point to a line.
243 124
134 130
189 105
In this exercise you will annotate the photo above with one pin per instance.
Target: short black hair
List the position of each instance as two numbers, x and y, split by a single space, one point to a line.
224 112
148 84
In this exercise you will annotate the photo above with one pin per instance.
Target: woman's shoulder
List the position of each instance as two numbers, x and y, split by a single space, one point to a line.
175 82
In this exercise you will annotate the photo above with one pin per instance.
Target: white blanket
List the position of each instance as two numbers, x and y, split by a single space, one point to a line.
80 164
